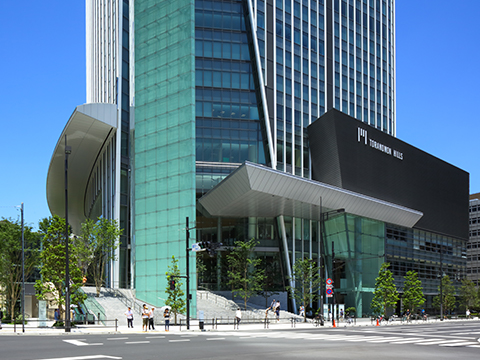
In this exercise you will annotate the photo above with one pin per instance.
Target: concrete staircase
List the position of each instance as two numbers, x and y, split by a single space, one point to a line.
115 302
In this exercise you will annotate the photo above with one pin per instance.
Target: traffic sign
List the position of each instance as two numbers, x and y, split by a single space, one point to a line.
329 292
196 247
329 281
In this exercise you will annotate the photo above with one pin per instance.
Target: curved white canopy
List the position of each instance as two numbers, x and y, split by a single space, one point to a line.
87 130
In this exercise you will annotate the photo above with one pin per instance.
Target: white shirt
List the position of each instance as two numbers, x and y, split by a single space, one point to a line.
129 314
238 314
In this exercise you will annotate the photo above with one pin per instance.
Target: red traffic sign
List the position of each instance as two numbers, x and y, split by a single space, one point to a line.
329 291
329 281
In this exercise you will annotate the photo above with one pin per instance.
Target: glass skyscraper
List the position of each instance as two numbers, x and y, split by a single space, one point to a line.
218 83
208 110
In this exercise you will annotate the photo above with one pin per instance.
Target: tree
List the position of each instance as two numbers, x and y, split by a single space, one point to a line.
96 247
306 276
53 259
11 260
448 293
412 291
175 296
271 281
469 294
385 294
245 277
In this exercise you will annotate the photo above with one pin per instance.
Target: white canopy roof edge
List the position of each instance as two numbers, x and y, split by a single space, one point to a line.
87 130
256 190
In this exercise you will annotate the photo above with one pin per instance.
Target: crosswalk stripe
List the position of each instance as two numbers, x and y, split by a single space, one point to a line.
462 343
435 342
409 341
384 340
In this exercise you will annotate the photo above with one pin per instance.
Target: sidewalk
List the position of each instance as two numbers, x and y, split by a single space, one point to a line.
194 326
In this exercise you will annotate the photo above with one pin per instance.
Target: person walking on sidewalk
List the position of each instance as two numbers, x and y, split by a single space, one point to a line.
129 315
144 318
238 317
151 319
1 317
166 316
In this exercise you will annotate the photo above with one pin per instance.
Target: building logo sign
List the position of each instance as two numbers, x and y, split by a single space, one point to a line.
362 136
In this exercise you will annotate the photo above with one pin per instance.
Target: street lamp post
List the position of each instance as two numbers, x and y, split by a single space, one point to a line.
68 151
23 272
188 275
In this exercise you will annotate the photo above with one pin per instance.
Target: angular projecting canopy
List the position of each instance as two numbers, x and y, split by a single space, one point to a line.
87 130
255 190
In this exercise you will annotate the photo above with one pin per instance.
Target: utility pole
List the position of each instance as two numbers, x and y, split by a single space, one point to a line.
68 151
188 275
334 289
23 272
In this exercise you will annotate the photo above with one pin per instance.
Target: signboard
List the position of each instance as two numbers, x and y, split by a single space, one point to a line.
329 281
196 247
329 292
42 313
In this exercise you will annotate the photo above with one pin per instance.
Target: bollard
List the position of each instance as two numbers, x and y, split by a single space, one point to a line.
180 325
98 319
116 325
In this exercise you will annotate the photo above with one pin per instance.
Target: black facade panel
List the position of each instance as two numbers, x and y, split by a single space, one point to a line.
329 88
352 155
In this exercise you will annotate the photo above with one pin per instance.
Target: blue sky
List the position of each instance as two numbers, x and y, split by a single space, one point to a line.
43 80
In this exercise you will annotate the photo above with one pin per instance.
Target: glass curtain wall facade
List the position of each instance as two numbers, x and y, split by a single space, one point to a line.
473 246
108 81
218 82
164 142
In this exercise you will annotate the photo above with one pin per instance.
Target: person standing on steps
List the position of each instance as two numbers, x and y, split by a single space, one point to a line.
277 310
129 315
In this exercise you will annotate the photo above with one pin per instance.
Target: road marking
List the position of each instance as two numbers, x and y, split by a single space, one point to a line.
461 343
435 342
88 357
80 343
409 341
137 342
215 338
154 337
180 340
385 340
119 338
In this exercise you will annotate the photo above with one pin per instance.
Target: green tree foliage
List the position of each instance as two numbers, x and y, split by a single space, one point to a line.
11 260
53 260
448 295
469 294
175 297
95 247
412 291
385 294
306 276
245 276
271 281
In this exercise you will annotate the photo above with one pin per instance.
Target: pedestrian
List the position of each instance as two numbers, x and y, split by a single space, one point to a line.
166 316
1 317
407 314
272 305
341 315
467 313
144 318
302 311
277 310
151 318
238 317
129 315
56 315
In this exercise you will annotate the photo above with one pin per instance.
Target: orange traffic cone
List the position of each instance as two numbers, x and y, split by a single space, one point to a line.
378 323
334 325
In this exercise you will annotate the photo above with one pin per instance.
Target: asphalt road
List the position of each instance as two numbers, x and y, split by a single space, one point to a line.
449 340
